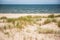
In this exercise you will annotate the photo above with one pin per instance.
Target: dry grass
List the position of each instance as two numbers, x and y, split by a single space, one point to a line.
58 24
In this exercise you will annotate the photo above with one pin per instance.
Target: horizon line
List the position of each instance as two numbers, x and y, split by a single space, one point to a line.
28 4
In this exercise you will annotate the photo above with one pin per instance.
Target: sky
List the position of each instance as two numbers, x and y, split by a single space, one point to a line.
29 1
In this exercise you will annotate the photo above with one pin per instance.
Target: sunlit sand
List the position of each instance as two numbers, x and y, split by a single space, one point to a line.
30 26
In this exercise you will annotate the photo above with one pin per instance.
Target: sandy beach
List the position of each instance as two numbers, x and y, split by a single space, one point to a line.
15 15
30 26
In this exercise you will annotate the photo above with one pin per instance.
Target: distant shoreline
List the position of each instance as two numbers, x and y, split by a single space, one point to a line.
29 4
16 15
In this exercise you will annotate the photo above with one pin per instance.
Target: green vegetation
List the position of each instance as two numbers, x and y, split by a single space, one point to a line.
46 30
26 20
23 21
3 17
7 33
5 27
19 26
11 20
51 16
57 16
47 21
58 23
54 20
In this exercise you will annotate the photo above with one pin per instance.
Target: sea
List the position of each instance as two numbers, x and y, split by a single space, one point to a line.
29 8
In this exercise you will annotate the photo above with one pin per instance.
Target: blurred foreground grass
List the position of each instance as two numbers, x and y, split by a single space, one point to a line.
23 21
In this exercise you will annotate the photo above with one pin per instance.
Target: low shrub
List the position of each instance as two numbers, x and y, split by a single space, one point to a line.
47 21
54 20
58 24
51 16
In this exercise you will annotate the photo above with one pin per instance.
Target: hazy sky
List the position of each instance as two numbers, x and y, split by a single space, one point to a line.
29 1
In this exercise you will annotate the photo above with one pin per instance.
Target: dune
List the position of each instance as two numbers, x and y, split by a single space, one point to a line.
29 32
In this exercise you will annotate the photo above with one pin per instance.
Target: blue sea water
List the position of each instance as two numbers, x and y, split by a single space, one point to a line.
52 8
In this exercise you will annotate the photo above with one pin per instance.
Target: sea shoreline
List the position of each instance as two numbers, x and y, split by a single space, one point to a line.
15 15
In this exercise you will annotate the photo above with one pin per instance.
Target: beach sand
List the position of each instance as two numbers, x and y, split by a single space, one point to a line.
31 35
16 15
